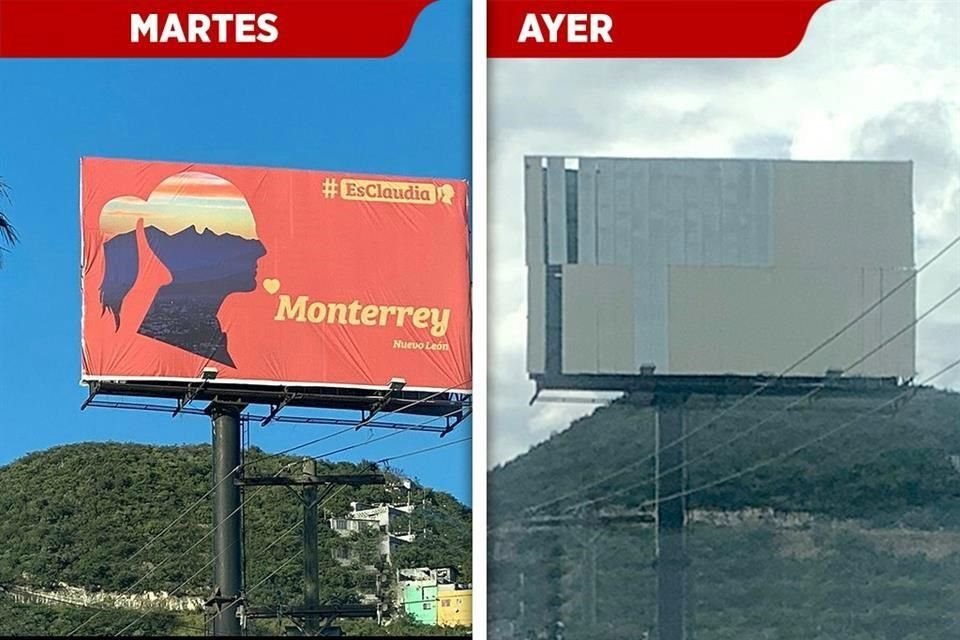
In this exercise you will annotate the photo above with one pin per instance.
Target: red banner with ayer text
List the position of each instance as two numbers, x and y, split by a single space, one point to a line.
646 28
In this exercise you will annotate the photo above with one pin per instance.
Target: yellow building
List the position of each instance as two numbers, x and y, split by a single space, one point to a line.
454 606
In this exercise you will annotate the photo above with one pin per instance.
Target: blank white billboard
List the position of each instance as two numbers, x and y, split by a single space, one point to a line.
717 266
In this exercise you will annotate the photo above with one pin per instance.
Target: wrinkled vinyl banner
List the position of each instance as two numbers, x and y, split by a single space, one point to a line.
273 276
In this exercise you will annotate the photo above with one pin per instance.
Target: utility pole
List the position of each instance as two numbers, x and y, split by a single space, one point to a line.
590 553
671 516
594 525
311 563
315 617
588 529
227 533
555 570
523 602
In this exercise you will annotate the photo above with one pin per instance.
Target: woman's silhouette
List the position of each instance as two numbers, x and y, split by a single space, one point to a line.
200 227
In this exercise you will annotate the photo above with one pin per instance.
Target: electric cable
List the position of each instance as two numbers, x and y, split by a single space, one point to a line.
760 389
276 540
320 503
767 462
424 450
235 469
155 568
372 423
800 400
204 568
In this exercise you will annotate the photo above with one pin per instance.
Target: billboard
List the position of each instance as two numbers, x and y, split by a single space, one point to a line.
273 276
717 266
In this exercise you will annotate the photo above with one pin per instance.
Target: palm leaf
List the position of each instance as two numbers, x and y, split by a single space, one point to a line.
8 234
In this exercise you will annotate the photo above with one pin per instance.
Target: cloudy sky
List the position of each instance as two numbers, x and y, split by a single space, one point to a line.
875 80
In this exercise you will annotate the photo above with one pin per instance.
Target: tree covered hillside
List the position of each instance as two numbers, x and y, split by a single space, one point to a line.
79 514
890 466
856 537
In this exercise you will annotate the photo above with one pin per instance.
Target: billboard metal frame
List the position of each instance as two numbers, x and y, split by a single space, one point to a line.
714 384
369 402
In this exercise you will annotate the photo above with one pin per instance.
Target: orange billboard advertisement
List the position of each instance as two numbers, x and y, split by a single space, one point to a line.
279 276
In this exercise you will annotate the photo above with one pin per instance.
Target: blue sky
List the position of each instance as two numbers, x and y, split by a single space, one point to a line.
408 115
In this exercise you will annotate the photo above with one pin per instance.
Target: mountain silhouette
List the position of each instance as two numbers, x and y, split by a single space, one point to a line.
205 268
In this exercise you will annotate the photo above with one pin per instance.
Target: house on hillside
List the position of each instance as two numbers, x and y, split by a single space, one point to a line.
433 596
454 605
383 517
419 600
438 575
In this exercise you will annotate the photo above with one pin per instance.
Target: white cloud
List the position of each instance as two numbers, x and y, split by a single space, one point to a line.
871 80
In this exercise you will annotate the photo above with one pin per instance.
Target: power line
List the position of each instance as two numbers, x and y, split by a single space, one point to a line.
356 445
383 437
276 540
321 503
242 505
769 461
799 400
321 456
129 589
180 517
184 513
372 422
246 501
201 570
273 573
155 568
425 450
305 444
766 385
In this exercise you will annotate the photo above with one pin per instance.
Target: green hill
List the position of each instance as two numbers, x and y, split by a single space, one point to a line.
77 514
859 537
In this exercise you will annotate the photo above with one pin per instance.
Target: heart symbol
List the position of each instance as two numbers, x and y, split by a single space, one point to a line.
272 285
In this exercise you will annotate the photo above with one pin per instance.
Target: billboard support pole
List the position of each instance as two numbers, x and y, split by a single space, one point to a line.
671 513
227 535
592 552
311 563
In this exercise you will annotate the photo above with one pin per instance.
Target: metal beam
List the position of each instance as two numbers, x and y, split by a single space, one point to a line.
350 479
314 420
277 408
718 384
399 401
323 611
